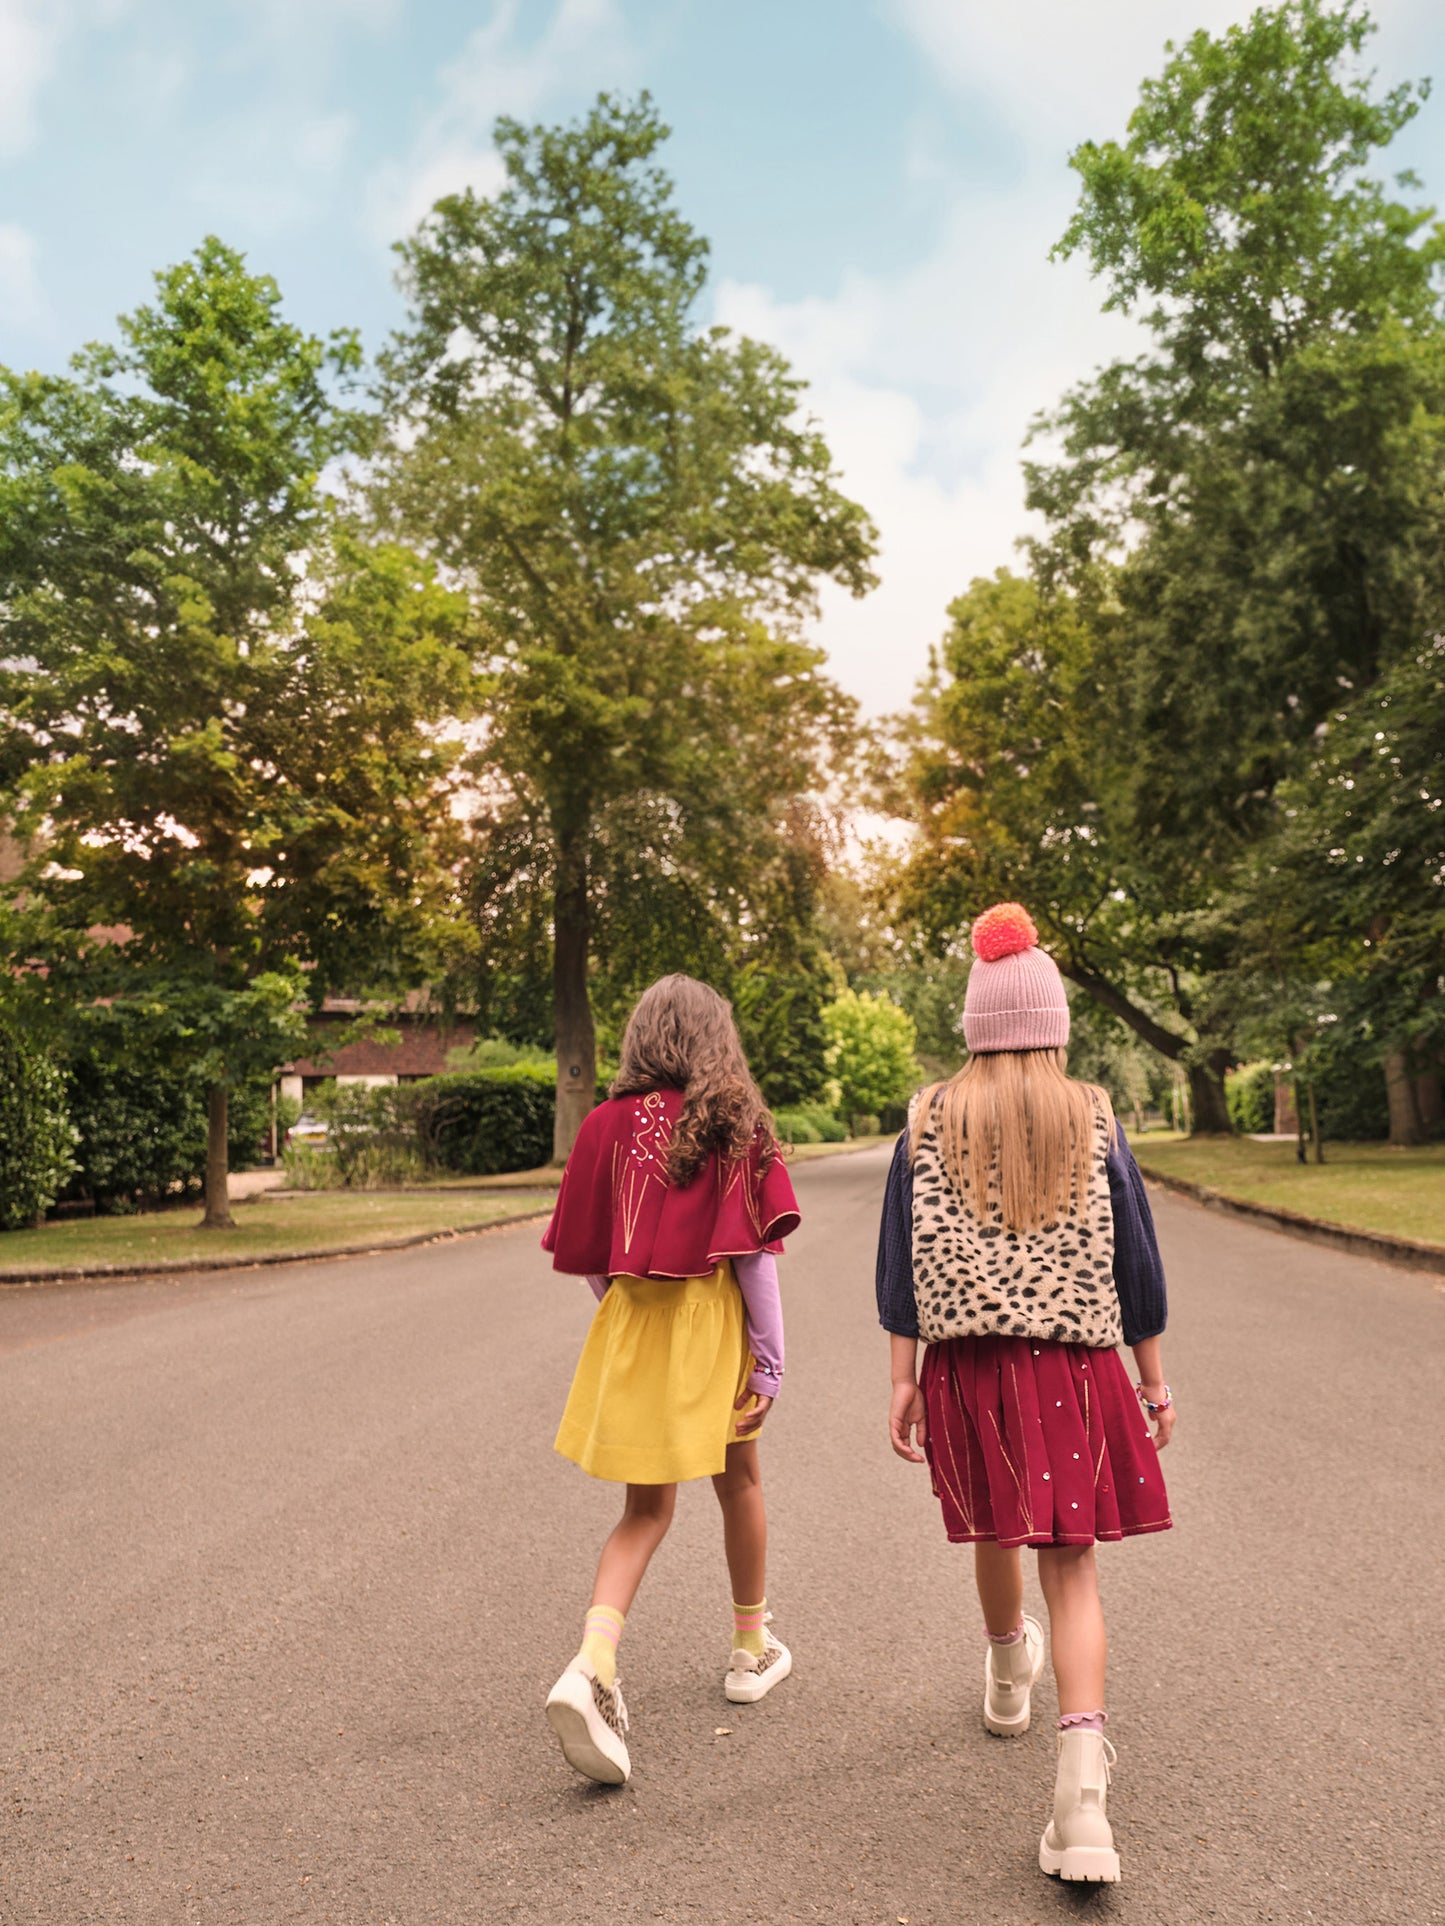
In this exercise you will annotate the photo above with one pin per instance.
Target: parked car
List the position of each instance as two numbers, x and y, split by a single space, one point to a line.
307 1133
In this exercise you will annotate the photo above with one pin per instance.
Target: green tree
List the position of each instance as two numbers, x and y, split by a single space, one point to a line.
1241 524
870 1052
219 712
1343 907
1021 782
641 518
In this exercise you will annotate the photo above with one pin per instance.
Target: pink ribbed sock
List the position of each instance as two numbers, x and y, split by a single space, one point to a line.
1005 1638
1083 1721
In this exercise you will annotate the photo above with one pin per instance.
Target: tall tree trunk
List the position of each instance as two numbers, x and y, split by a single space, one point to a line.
1405 1124
576 1036
218 1199
1208 1112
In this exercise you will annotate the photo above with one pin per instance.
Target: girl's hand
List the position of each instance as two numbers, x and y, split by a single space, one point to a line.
1162 1421
908 1414
752 1424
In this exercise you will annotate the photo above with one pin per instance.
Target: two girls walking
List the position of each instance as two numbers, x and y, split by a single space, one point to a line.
1016 1245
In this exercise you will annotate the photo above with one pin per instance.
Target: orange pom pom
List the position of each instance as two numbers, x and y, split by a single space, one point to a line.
1004 930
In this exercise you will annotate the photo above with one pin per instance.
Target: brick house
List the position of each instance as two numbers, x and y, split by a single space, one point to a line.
424 1043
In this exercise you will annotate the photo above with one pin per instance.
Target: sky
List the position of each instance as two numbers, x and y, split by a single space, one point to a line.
881 182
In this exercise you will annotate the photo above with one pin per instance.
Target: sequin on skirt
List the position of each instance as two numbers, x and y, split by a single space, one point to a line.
1036 1443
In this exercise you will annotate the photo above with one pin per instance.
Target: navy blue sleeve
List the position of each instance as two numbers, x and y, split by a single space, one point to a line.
897 1306
1138 1273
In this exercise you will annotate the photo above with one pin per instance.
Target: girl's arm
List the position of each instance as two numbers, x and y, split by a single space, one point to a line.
1138 1271
1149 1363
907 1413
1139 1278
898 1308
757 1275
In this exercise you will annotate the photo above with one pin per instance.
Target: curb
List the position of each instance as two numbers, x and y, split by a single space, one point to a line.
1408 1252
183 1266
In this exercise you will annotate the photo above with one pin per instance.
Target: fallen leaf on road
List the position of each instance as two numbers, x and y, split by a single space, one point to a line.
722 1731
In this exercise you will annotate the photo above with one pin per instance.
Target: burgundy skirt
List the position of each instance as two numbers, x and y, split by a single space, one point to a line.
1036 1443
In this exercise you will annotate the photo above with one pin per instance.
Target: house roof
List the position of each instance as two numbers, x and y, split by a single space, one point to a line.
422 1050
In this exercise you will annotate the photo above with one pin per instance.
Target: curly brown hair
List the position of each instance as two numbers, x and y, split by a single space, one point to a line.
681 1036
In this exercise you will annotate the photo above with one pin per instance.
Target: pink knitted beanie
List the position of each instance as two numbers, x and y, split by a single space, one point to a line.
1015 998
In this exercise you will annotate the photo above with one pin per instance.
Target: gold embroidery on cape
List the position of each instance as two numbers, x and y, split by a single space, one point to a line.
644 1161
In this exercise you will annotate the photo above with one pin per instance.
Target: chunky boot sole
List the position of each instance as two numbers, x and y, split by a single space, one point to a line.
1093 1865
746 1688
588 1744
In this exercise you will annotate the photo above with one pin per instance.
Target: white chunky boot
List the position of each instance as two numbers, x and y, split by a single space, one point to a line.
1078 1842
1009 1672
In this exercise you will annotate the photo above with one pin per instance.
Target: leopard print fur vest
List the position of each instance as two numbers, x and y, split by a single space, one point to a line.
973 1278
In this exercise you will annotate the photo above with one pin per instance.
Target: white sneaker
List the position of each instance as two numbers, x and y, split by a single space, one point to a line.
1009 1672
751 1678
589 1719
1078 1842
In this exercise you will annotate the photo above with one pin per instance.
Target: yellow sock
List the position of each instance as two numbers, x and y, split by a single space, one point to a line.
599 1640
748 1627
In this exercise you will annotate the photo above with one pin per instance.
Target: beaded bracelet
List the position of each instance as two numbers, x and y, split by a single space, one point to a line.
1154 1409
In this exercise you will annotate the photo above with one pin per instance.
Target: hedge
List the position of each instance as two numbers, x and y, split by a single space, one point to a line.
809 1123
1249 1097
141 1129
37 1139
481 1123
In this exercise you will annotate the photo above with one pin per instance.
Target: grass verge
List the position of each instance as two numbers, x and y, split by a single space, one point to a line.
1364 1186
312 1224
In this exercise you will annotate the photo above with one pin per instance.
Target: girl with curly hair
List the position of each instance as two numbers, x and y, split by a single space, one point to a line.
673 1206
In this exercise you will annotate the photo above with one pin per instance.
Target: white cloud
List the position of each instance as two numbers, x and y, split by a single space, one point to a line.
926 382
22 301
933 453
495 75
30 33
1064 70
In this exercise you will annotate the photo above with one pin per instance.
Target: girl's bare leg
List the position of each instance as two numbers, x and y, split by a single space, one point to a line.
998 1572
646 1515
739 1491
1070 1581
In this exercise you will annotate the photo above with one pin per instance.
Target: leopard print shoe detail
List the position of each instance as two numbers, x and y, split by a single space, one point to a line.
589 1719
751 1676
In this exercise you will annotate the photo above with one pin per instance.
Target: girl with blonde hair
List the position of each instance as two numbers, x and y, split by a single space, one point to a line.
1017 1244
673 1206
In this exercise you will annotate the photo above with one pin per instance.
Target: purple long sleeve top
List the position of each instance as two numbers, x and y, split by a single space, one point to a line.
757 1275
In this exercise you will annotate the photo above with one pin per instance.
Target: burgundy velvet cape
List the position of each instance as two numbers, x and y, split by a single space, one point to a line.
617 1215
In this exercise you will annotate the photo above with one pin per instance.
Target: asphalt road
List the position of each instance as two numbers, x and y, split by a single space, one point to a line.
289 1565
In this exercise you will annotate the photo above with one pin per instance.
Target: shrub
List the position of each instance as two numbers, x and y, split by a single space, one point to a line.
870 1052
371 1136
481 1123
809 1123
308 1167
141 1125
37 1139
1249 1095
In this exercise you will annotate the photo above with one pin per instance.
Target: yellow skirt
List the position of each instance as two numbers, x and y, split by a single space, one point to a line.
652 1399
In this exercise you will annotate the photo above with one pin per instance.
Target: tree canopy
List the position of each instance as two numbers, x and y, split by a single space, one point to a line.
1242 533
640 514
220 709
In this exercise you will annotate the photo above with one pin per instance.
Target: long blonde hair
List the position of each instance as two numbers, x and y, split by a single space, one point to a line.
1016 1133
